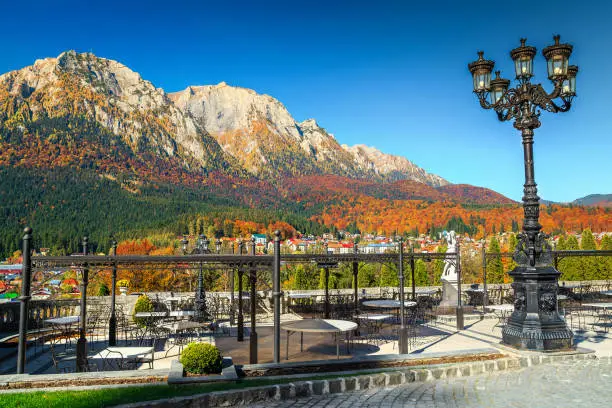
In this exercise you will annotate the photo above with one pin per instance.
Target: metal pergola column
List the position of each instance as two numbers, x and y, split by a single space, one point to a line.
253 296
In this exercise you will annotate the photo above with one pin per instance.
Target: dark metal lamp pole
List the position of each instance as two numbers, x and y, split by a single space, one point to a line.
535 323
403 332
201 314
112 321
26 276
81 352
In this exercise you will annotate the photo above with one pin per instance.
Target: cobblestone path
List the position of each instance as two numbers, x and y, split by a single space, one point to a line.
586 383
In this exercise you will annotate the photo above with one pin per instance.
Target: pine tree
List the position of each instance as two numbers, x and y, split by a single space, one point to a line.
512 242
389 275
439 266
569 267
588 264
495 268
604 263
367 276
420 273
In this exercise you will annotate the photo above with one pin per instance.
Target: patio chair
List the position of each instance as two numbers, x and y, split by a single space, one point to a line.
95 326
62 363
413 316
576 317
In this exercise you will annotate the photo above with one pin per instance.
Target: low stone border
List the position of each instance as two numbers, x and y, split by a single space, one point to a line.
299 389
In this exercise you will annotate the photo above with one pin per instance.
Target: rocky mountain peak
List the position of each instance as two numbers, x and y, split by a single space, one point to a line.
109 93
390 166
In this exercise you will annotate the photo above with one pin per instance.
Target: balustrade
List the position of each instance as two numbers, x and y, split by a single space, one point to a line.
38 311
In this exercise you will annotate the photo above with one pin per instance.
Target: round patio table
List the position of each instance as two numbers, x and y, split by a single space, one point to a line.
65 326
319 326
501 312
388 303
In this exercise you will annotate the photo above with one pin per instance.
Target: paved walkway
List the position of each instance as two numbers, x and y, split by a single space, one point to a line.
585 383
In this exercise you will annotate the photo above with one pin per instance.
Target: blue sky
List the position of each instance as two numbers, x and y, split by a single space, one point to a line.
391 74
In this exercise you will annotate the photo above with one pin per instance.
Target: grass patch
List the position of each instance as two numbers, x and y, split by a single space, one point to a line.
137 393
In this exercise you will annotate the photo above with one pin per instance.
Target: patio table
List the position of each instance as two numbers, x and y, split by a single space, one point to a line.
125 354
64 326
425 292
604 306
229 296
299 295
501 312
184 325
151 314
174 313
182 313
300 300
388 303
331 326
604 315
183 331
373 321
63 321
476 296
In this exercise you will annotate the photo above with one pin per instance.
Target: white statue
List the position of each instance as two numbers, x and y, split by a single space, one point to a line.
449 273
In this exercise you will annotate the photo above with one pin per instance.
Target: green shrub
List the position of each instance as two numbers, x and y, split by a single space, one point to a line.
143 304
103 290
201 358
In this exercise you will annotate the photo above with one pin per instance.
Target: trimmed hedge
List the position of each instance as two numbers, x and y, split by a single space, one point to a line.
143 304
201 358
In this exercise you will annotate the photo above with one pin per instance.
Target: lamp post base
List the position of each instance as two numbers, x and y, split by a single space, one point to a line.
81 355
535 323
403 340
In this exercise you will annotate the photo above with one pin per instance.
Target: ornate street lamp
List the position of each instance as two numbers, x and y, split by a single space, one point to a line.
535 323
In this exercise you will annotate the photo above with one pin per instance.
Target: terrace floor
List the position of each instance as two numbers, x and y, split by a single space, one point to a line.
438 336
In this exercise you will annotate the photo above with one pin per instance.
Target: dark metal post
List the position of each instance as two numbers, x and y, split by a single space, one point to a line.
485 297
412 272
403 333
276 294
240 336
253 334
555 257
535 323
232 277
26 277
81 351
356 277
460 325
326 269
112 321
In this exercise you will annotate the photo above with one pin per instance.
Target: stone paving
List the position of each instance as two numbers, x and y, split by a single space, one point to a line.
560 384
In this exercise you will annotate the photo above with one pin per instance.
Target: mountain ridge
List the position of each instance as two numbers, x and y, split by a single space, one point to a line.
245 129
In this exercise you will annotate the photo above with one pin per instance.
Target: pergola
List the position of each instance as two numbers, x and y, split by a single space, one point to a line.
242 263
